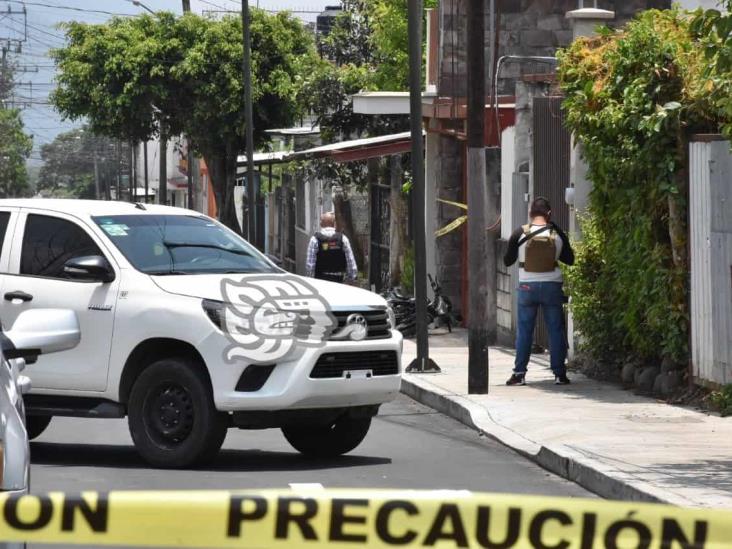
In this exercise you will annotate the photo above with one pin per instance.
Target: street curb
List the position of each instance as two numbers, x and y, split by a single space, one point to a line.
575 468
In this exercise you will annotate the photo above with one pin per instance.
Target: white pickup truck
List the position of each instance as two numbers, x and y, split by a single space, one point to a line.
188 330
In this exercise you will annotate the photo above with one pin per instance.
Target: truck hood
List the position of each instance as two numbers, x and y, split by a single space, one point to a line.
209 286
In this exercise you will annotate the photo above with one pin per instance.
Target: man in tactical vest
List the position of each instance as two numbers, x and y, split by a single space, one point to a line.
330 256
539 246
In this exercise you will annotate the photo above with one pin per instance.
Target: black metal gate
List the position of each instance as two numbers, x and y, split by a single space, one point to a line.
379 244
551 155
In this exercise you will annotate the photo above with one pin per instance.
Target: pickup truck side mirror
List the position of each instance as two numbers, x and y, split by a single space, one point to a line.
42 331
93 268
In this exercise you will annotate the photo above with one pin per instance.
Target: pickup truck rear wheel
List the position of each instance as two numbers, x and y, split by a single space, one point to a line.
35 425
172 417
335 439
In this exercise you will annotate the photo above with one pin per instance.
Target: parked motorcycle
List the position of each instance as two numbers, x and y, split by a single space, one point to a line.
439 310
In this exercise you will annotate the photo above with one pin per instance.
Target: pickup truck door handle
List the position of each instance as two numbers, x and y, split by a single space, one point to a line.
11 296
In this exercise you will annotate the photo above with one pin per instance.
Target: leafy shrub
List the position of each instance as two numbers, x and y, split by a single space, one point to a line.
722 400
632 99
407 280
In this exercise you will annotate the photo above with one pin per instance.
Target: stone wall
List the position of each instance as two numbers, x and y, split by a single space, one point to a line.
527 27
449 247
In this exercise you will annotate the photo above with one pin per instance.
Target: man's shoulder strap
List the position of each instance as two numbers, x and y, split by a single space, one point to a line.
322 237
528 234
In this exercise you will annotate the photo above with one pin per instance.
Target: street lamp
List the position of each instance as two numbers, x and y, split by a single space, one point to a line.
140 5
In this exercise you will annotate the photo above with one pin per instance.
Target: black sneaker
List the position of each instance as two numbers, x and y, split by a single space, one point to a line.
561 380
517 379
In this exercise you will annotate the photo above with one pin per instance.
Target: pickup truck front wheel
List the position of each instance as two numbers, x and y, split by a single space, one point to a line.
322 441
172 417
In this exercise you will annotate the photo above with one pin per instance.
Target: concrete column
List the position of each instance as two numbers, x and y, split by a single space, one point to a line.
584 23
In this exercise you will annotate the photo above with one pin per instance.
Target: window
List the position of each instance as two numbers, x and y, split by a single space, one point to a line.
49 242
4 219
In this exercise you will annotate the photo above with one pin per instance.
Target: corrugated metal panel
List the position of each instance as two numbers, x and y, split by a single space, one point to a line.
711 261
552 147
551 158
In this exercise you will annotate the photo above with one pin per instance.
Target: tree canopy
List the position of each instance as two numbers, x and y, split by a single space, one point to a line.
15 148
69 164
135 78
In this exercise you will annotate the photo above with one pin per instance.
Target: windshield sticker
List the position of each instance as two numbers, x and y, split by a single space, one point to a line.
115 229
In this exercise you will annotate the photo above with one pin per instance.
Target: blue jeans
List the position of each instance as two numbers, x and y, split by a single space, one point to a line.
551 298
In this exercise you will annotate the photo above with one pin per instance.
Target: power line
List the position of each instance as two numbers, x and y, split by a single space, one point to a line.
69 8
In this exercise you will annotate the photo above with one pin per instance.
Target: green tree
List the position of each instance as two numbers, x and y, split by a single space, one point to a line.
713 30
135 78
68 168
15 148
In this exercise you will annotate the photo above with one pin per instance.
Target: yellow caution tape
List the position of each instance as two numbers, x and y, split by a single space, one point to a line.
456 204
348 518
452 226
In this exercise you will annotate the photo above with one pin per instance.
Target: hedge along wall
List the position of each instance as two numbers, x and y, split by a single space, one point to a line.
633 97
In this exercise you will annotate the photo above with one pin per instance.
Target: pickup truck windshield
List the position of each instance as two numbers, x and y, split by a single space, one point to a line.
181 244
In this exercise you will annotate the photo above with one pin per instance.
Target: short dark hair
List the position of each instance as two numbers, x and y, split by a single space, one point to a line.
540 207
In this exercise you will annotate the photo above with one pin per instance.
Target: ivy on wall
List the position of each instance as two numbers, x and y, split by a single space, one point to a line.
633 98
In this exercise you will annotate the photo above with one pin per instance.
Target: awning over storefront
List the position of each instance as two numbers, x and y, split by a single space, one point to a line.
344 151
360 149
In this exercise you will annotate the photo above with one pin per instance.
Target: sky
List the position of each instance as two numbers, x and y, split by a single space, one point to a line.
42 16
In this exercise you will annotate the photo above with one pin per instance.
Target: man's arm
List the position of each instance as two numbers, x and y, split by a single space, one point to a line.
567 254
351 267
311 257
511 254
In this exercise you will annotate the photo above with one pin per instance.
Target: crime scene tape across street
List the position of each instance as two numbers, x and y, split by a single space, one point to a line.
346 518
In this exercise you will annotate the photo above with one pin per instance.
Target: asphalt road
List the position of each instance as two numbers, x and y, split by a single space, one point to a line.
409 446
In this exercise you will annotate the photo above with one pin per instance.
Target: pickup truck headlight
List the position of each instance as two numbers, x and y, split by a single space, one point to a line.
392 318
215 312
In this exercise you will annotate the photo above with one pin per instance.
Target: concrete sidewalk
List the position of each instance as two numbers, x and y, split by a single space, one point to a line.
610 441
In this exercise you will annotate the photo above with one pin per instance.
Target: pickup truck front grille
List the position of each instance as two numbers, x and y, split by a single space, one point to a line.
333 365
377 321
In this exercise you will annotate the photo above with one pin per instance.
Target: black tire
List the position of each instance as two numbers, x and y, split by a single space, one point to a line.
323 441
35 425
172 417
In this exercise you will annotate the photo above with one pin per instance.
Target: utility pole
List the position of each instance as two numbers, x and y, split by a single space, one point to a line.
251 202
147 184
422 363
189 150
477 238
97 190
163 174
133 172
119 171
